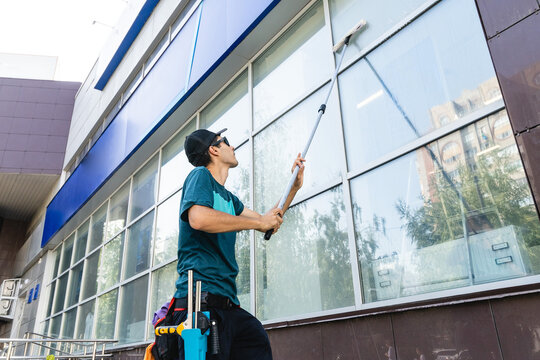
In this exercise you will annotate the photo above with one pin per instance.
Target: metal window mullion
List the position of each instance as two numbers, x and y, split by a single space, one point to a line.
76 327
59 273
155 208
97 309
137 219
46 293
119 300
163 264
285 28
291 106
131 279
429 138
146 162
93 333
78 262
62 320
68 290
124 254
148 302
185 124
55 297
87 251
347 199
221 90
75 244
88 299
124 246
152 249
251 147
169 196
104 237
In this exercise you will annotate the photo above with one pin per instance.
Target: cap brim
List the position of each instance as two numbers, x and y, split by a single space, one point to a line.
220 131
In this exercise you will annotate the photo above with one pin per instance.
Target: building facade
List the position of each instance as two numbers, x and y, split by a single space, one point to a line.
35 117
417 229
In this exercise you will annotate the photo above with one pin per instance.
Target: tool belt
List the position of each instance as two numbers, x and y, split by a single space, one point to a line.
208 300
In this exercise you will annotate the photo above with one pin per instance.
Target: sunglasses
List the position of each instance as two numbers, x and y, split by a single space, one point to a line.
223 139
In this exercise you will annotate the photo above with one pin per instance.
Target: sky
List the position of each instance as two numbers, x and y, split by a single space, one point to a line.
62 28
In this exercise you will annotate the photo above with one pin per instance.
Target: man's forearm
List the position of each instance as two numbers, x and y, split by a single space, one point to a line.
213 221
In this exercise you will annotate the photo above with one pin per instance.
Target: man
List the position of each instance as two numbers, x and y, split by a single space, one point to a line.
210 216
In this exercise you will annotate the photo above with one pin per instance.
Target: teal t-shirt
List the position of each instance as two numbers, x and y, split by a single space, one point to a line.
210 256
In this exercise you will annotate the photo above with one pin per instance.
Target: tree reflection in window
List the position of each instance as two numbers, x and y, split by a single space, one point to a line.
447 224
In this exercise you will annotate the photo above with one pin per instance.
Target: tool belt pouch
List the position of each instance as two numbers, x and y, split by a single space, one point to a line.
165 346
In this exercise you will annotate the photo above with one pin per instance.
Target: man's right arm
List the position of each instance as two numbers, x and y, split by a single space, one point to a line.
213 221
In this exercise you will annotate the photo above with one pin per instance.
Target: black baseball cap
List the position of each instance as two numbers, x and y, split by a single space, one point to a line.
198 142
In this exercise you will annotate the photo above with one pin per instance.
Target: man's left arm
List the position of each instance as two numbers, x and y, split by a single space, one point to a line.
250 214
299 161
299 181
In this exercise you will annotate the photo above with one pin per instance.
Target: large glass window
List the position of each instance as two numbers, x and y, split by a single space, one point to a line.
80 242
289 134
436 67
230 110
98 227
69 324
238 184
52 288
56 323
57 255
66 254
111 263
60 295
106 314
174 163
306 267
163 289
292 67
424 224
118 211
381 16
143 193
85 322
133 311
138 246
75 285
91 266
166 244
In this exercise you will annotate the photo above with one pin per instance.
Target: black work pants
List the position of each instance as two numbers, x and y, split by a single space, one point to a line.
241 336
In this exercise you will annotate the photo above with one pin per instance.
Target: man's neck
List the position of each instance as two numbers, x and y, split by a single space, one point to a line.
220 172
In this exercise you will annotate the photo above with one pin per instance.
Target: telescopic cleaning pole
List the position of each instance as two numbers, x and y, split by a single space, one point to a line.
343 43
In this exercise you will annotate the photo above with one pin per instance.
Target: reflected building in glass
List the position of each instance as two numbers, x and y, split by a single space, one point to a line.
416 234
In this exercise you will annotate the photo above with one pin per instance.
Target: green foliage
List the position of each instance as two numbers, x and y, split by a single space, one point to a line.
489 194
333 255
